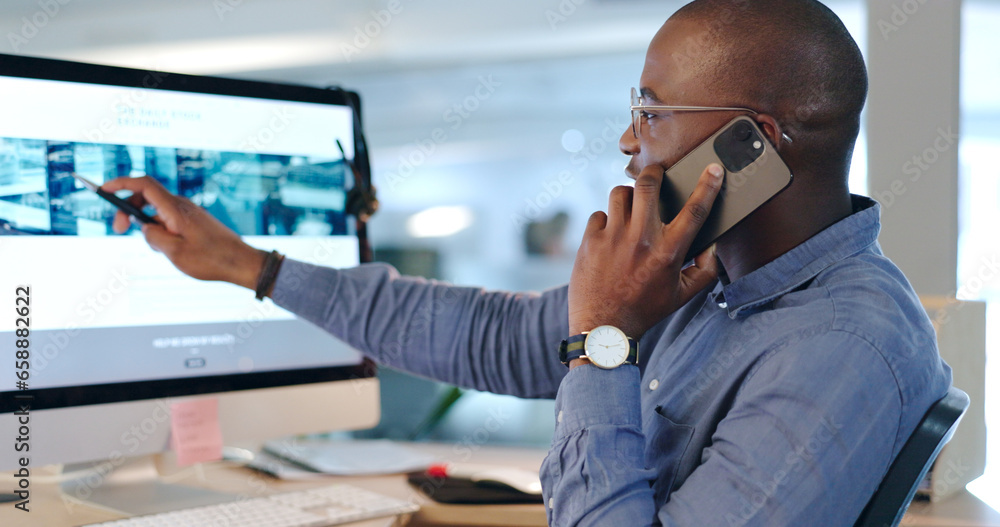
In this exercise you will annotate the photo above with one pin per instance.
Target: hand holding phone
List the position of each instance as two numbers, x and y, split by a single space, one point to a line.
629 271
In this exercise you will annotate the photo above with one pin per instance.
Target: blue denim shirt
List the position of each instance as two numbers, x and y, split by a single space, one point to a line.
777 399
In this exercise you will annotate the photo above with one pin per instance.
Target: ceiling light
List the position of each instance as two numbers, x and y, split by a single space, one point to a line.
438 222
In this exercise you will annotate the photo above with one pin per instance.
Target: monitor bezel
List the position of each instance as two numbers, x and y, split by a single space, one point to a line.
97 74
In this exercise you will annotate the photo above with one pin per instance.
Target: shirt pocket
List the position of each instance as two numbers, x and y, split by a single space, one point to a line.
668 442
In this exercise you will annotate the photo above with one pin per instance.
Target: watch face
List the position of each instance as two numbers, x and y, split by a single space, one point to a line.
607 347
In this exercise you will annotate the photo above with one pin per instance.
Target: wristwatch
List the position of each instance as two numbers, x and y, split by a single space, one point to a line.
606 347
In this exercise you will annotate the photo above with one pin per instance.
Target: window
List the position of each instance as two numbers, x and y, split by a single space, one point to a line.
979 206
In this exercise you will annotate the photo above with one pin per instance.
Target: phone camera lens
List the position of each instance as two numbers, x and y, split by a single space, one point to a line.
742 131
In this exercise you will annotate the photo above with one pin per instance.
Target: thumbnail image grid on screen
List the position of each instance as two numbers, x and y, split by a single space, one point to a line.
251 193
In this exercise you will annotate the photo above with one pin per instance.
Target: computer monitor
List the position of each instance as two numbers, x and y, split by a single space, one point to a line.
103 334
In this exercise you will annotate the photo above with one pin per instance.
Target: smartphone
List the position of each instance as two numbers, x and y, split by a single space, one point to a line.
754 175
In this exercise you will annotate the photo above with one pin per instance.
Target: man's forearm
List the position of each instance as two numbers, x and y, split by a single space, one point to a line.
247 264
493 341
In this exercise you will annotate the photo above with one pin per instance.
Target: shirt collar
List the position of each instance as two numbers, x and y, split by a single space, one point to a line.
841 240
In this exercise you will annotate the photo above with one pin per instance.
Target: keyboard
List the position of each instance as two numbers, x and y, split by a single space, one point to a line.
331 505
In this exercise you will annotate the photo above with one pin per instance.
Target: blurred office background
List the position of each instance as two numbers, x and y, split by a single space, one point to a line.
493 128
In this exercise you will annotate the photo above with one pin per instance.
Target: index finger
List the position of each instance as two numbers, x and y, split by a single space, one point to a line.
646 197
689 220
145 186
145 190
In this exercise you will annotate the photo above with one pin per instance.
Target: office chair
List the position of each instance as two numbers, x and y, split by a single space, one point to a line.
900 483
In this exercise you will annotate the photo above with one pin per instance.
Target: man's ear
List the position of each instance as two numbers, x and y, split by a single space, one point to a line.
772 129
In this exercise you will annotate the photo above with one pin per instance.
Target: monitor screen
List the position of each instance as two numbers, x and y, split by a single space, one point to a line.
108 319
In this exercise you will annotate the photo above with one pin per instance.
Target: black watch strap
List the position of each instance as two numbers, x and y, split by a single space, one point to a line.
572 348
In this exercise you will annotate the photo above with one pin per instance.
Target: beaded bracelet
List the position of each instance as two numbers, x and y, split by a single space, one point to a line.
272 263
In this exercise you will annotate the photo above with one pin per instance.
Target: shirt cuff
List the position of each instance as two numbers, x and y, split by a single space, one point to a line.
589 396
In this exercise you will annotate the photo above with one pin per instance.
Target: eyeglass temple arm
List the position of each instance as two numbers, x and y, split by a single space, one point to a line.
641 107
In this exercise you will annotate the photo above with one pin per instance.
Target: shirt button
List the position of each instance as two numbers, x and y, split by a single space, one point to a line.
550 503
723 305
559 417
654 384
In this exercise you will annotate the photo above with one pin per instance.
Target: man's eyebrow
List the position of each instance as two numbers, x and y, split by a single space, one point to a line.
648 95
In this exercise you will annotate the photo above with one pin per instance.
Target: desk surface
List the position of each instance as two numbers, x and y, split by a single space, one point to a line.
50 509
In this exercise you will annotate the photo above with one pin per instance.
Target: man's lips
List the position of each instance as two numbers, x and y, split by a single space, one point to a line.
631 171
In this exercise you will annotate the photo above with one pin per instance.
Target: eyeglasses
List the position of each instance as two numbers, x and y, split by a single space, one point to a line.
638 109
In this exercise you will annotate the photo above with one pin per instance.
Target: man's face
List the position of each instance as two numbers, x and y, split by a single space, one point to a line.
671 77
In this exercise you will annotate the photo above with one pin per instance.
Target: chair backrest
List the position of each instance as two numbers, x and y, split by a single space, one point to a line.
900 483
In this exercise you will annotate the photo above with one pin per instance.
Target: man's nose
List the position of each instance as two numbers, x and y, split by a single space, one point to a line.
628 143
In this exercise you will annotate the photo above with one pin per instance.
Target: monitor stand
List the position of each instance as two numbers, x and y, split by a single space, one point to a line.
135 488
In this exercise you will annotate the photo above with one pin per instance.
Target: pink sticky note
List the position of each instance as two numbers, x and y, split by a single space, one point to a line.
195 434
